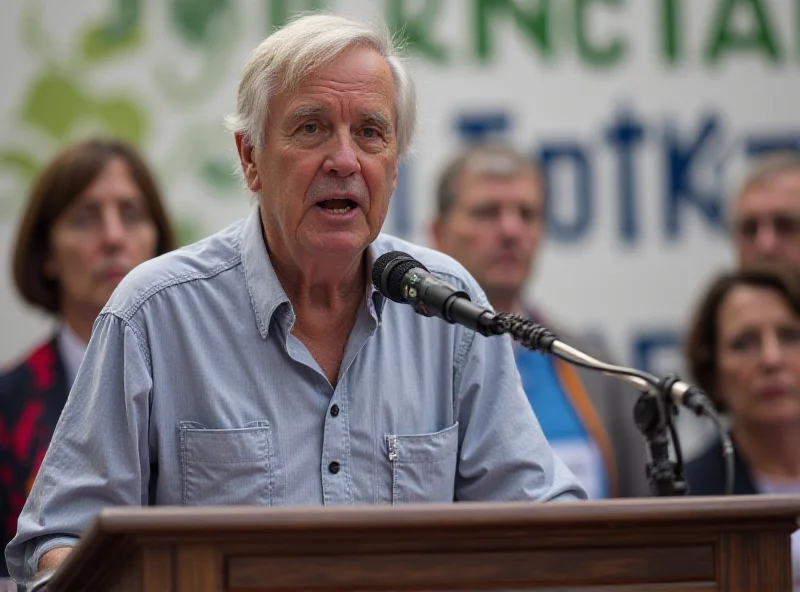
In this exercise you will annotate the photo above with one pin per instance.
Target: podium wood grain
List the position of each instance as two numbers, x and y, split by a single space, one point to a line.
732 544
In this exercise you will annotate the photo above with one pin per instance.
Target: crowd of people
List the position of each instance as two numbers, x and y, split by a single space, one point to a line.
167 379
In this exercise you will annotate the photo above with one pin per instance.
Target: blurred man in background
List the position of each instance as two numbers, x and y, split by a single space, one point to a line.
491 217
766 212
94 213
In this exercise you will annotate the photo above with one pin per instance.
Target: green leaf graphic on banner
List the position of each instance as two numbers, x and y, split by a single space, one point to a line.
189 231
122 118
119 33
183 86
220 175
280 11
53 104
21 162
193 18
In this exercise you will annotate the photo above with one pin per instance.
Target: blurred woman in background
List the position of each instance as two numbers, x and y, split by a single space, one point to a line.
744 351
94 213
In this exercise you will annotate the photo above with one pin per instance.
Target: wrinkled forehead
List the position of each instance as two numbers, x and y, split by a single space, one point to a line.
499 185
357 69
777 193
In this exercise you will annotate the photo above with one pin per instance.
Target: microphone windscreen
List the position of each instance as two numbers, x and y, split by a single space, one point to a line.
388 272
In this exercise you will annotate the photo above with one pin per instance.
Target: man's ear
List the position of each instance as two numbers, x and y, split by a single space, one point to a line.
247 156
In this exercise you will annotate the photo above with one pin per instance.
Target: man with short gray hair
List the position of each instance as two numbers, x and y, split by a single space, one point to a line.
259 366
766 212
491 218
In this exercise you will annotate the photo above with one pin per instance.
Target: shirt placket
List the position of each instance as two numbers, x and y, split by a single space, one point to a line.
336 459
337 456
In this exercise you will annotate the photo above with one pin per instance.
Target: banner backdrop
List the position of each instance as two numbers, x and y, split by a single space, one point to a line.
643 113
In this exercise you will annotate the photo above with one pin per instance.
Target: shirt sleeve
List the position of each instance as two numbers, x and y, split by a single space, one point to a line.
504 455
99 454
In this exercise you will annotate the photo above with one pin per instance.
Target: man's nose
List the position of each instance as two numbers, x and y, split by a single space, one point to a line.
511 224
342 159
766 239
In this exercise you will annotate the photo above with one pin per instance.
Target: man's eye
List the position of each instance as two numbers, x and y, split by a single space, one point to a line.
486 213
370 132
310 128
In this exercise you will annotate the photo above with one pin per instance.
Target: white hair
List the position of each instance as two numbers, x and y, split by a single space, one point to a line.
283 59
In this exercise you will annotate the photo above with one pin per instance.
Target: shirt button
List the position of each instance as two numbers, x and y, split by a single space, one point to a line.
334 410
334 467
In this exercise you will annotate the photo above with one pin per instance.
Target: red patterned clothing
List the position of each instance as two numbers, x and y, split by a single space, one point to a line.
32 396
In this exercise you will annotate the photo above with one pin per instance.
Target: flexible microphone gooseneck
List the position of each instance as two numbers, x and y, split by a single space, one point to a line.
403 279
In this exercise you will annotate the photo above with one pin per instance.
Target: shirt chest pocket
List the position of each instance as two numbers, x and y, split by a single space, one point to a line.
423 466
226 466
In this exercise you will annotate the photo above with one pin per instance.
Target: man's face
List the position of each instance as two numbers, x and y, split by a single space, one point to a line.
494 229
767 221
329 162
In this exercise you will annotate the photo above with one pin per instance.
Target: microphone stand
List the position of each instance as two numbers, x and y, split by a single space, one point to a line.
653 411
653 416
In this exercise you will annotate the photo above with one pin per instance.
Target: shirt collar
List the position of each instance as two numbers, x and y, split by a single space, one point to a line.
72 349
375 300
266 292
263 286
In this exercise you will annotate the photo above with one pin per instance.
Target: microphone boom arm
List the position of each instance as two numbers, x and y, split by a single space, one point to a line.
401 278
577 357
653 410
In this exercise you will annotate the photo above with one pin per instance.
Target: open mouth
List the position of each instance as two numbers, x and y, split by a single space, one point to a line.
337 206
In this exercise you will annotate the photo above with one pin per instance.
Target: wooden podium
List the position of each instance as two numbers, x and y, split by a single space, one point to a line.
680 544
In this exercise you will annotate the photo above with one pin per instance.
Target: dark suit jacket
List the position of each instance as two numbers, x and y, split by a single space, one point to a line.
32 396
706 474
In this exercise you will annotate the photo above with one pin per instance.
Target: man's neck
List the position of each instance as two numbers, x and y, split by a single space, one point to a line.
318 283
326 308
505 302
323 291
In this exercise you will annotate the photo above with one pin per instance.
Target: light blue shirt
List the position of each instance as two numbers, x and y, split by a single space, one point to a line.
194 392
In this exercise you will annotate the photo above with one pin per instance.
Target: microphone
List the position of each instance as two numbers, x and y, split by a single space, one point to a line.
403 279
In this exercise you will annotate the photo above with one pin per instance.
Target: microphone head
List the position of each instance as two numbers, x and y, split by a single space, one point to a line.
388 272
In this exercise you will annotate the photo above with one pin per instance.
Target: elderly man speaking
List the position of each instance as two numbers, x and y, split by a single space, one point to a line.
259 366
